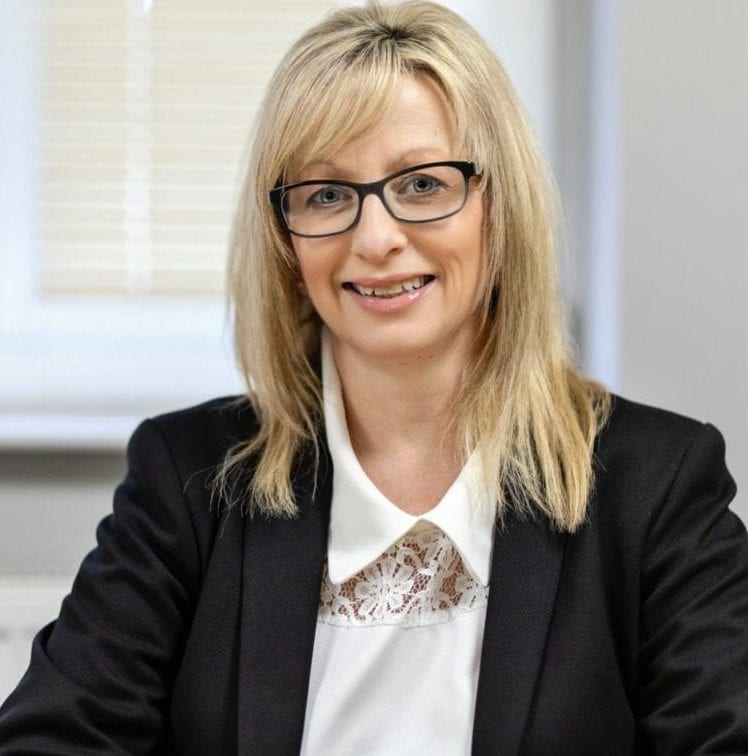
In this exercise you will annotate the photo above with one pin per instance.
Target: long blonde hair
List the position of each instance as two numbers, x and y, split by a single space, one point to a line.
530 415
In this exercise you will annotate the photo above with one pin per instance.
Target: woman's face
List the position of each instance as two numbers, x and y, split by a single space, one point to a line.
390 290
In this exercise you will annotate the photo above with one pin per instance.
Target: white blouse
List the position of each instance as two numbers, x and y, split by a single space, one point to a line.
401 615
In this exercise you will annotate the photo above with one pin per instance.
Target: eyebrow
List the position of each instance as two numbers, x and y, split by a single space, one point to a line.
403 160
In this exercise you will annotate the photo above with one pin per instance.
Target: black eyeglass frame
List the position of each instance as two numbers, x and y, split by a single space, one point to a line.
466 167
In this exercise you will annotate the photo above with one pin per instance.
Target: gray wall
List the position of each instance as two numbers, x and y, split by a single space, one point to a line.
684 213
50 503
653 119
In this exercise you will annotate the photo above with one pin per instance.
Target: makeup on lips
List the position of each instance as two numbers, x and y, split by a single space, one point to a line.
390 294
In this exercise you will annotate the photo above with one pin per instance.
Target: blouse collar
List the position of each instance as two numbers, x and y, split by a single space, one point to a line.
364 523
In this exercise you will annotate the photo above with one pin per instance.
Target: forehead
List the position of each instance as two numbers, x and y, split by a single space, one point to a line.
410 122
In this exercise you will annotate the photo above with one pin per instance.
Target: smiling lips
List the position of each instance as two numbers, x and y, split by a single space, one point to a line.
392 290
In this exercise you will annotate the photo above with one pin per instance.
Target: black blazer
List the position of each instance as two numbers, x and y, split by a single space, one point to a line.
190 629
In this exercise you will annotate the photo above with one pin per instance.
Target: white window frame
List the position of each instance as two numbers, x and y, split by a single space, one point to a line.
74 372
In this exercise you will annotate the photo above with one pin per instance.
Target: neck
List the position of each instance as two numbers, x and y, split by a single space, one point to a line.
395 408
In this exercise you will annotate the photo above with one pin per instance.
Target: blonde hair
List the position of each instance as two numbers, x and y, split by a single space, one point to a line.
530 415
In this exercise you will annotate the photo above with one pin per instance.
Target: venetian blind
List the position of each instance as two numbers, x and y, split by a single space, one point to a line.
145 111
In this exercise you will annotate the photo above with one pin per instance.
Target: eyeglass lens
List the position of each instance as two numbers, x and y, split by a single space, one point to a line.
326 207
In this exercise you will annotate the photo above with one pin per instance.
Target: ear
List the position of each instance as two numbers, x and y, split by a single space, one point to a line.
301 286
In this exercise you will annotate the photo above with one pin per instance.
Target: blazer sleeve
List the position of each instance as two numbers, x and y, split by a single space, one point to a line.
100 677
693 650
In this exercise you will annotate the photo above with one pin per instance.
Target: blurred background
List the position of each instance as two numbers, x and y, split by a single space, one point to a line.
123 124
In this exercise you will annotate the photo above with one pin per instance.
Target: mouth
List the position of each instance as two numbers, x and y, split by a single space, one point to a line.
390 291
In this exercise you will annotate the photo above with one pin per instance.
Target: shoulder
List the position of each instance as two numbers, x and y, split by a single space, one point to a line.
652 464
647 427
175 456
670 560
222 419
645 447
168 492
199 436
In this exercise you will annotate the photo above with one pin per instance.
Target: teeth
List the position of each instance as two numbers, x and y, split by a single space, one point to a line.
391 291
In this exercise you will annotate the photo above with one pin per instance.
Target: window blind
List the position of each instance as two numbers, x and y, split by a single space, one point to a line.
145 111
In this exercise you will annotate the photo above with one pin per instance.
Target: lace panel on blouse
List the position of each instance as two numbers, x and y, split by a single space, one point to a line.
420 580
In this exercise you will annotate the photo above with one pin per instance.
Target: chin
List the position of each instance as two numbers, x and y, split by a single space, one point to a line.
402 348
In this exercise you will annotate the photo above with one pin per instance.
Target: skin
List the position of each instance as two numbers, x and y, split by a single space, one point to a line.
400 360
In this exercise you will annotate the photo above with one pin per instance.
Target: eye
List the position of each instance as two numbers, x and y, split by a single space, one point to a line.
420 183
328 196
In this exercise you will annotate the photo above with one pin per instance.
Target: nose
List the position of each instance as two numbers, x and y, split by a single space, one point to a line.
377 234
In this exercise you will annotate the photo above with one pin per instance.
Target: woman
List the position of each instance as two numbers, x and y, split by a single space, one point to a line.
317 569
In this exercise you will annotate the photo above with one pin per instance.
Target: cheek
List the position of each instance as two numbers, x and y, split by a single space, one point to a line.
315 271
307 282
477 244
304 261
472 251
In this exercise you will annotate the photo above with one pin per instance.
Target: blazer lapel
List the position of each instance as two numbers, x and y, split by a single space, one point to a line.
282 573
524 580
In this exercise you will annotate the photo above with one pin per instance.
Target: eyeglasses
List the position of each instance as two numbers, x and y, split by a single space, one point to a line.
418 194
